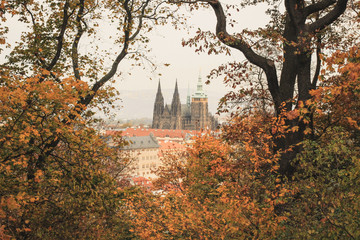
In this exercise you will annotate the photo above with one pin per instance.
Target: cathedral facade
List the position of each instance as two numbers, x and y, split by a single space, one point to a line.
193 115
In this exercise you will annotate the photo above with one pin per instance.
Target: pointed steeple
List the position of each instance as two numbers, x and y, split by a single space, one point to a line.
159 94
158 108
176 88
175 104
176 109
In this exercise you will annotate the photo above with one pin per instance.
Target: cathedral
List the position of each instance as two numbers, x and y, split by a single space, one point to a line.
193 115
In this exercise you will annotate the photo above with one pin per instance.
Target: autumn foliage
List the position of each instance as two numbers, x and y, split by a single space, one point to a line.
70 193
285 166
230 187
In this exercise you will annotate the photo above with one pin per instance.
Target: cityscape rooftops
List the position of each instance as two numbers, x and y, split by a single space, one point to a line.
159 133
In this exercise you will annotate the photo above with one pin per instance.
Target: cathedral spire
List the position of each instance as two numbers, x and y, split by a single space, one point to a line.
176 88
158 108
175 104
176 109
176 93
159 94
159 100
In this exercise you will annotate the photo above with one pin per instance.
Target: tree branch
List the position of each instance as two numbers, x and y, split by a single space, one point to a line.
140 24
266 64
316 7
292 10
74 50
60 37
318 63
129 21
330 17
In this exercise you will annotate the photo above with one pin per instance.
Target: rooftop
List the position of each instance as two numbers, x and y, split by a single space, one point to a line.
140 142
160 133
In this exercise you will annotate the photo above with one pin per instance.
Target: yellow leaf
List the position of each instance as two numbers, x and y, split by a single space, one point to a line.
292 114
307 130
45 72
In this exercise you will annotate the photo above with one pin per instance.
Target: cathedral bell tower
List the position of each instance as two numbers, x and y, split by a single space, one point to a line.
158 108
199 108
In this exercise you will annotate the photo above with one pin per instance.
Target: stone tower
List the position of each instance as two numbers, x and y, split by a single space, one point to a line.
193 115
176 109
158 108
199 108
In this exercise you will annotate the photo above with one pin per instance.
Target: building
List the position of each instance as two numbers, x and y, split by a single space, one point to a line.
145 152
193 115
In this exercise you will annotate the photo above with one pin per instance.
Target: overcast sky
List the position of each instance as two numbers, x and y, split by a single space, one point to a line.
138 91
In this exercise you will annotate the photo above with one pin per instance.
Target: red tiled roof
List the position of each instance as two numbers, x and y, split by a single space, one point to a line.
171 146
171 133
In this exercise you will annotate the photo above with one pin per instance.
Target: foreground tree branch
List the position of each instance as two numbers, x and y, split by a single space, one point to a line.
302 24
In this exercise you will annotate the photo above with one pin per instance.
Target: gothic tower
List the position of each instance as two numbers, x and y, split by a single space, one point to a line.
176 109
158 108
193 115
199 108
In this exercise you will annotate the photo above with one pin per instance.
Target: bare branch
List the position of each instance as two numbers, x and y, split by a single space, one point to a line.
128 22
316 7
60 37
266 64
152 16
330 17
140 24
74 50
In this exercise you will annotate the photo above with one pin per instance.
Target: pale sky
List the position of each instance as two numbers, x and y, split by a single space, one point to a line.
185 65
138 91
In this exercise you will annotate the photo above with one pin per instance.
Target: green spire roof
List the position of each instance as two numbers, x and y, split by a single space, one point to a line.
199 90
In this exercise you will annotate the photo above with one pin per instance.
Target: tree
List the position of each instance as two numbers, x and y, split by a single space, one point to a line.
229 186
283 50
326 205
55 176
73 193
221 191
